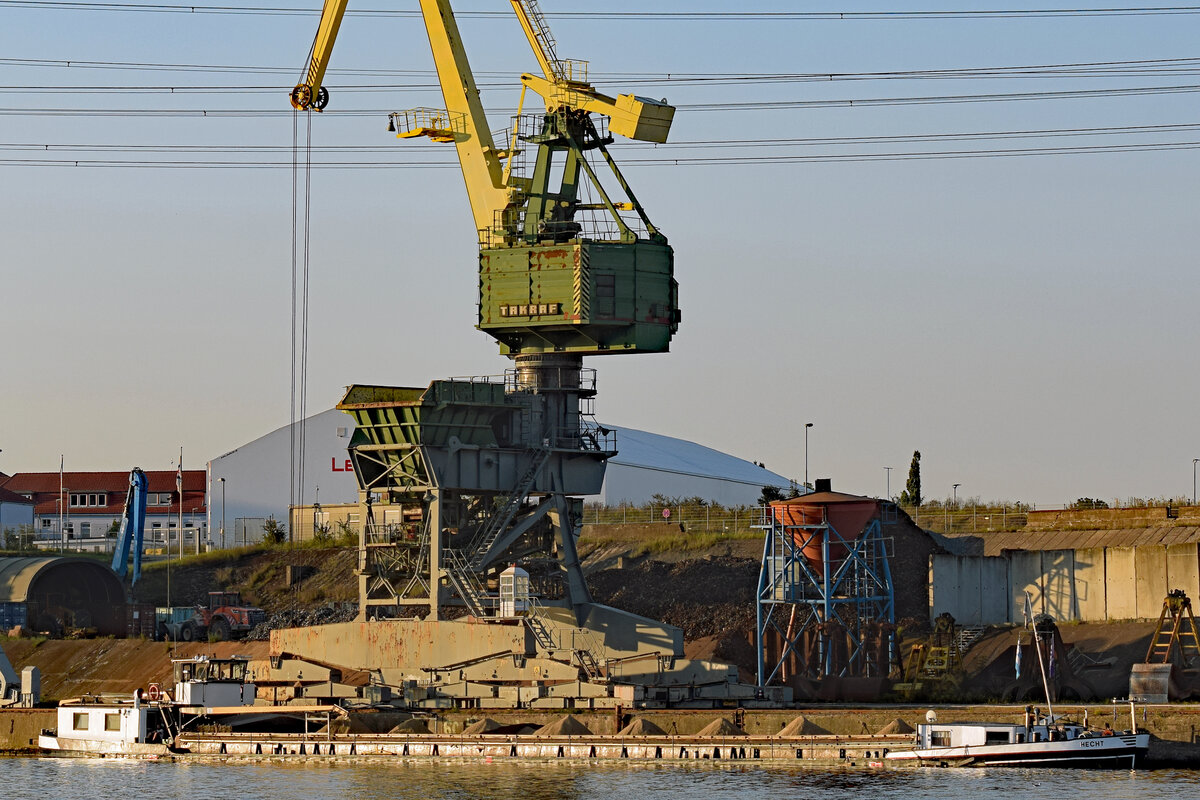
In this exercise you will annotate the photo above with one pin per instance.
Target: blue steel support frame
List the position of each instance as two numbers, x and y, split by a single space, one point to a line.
133 528
850 594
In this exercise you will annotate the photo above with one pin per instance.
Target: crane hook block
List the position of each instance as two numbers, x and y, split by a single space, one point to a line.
303 99
301 96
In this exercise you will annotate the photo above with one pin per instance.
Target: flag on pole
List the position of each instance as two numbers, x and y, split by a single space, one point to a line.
179 477
1053 657
1018 659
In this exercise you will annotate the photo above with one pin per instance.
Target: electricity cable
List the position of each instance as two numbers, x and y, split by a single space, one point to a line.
692 16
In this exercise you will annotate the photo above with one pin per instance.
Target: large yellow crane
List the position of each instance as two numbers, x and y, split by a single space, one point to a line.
483 474
557 273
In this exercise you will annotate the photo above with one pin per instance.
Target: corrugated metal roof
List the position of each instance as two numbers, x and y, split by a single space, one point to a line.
655 451
18 574
995 543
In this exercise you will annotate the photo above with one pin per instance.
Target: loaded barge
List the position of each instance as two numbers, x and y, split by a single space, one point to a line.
210 714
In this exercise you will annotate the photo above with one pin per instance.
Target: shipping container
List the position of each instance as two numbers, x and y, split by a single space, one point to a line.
139 620
12 615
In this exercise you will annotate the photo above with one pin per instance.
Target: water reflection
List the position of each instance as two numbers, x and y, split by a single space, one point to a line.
70 779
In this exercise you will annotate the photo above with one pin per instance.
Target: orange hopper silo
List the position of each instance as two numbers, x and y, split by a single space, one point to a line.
848 514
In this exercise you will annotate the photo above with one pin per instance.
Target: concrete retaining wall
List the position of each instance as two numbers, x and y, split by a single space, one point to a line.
1089 585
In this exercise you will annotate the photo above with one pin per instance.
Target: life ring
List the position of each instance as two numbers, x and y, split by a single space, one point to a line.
154 693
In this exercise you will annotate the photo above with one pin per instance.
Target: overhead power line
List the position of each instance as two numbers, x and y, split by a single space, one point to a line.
647 161
1161 67
694 16
1155 66
773 105
1125 130
683 153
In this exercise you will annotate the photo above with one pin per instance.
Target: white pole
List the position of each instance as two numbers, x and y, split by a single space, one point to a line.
179 486
62 532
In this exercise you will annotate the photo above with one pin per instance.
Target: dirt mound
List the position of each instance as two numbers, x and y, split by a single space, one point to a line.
803 726
1104 654
71 667
259 573
705 597
485 725
641 727
414 725
721 727
896 726
565 726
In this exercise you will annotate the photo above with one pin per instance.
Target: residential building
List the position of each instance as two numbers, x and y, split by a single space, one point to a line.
89 505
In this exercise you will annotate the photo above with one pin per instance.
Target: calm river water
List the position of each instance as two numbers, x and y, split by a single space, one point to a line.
67 779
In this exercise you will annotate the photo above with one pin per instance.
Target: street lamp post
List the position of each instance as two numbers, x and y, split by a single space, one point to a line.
807 425
1194 460
196 529
956 494
222 482
889 483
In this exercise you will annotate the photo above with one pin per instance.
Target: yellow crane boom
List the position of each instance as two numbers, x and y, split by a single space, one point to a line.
310 93
565 265
630 116
477 152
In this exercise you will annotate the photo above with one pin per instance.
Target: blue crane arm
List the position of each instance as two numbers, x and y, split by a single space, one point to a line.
133 527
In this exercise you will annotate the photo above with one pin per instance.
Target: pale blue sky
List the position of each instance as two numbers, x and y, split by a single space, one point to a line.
1028 323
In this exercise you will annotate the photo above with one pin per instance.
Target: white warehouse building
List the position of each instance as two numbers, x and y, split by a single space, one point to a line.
251 484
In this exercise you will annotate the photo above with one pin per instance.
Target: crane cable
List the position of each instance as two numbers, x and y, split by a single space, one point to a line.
300 304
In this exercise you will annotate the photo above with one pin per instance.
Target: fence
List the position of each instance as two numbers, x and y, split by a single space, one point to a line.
714 519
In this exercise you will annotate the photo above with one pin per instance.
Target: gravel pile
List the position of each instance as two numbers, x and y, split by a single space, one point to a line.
297 617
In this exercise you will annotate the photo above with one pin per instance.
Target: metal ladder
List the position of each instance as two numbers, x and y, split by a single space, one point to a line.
499 521
1177 610
541 32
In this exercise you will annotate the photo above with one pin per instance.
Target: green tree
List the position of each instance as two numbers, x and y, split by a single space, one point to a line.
274 532
911 496
1088 504
769 495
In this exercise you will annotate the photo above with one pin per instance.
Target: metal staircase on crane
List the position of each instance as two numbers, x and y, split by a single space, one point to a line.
499 522
473 593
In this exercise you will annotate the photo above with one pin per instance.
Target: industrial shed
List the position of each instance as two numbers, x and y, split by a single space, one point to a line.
251 483
50 594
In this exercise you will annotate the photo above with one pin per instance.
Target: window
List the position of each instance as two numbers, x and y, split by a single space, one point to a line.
995 737
85 529
606 295
45 523
112 722
79 722
88 499
939 738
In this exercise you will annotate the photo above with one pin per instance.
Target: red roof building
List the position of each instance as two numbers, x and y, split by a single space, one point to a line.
91 502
